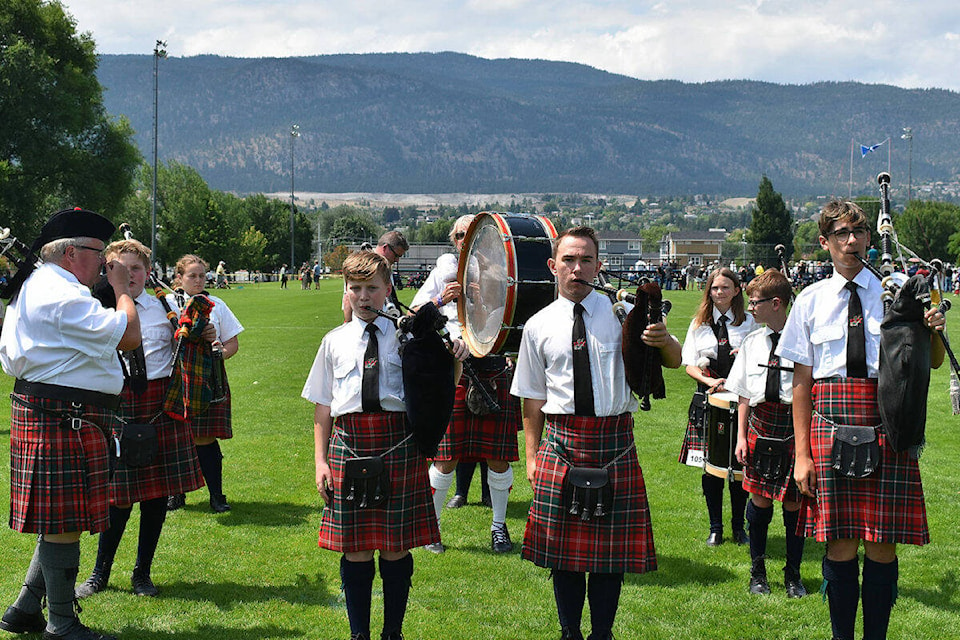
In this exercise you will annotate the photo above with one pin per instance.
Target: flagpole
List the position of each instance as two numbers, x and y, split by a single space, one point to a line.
850 183
889 153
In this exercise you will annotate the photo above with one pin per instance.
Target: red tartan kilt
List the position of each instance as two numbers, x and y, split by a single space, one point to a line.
473 438
619 542
770 420
407 519
694 438
886 507
58 476
217 420
176 468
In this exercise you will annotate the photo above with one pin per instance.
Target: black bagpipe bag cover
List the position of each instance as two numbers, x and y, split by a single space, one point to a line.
642 363
905 366
428 383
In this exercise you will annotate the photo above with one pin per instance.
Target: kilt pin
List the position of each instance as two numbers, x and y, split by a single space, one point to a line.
493 436
770 420
619 542
58 475
175 469
885 507
407 518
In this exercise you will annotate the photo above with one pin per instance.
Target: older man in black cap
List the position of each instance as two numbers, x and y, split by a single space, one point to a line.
60 344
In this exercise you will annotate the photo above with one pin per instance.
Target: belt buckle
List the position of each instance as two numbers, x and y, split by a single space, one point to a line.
76 416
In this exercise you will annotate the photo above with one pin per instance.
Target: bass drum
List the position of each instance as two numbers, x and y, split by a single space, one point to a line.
505 279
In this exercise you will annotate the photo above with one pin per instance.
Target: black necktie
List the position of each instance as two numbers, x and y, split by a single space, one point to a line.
856 338
772 392
723 348
582 382
370 387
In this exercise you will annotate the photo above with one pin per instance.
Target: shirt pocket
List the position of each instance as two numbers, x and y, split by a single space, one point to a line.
828 344
346 378
392 371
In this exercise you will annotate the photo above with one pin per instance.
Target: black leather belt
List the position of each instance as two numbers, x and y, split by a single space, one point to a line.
67 394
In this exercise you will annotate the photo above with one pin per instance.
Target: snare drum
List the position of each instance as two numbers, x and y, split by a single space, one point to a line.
505 279
722 436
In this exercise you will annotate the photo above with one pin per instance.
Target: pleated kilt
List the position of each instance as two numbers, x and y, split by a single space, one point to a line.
695 437
619 542
217 420
175 469
407 518
473 438
888 506
58 475
770 420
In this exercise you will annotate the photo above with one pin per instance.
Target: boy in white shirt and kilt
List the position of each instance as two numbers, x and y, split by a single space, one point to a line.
570 375
61 345
764 383
357 418
833 337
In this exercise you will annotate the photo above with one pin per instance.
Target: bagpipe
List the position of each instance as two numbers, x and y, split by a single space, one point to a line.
905 339
643 364
428 373
23 258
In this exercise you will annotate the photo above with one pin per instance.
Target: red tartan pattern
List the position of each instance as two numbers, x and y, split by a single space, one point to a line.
473 438
58 476
621 541
694 438
176 468
407 519
888 506
770 420
217 420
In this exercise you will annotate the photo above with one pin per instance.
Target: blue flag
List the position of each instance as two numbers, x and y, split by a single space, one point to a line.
865 150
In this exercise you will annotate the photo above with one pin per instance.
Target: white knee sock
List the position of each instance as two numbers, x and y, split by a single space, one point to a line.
500 485
440 483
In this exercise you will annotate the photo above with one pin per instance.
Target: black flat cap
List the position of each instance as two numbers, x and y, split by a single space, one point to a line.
75 223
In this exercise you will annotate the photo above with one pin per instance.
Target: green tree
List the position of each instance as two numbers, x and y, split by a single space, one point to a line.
354 227
58 147
771 225
929 229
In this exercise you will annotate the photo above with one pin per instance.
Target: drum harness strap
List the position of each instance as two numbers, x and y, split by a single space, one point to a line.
71 418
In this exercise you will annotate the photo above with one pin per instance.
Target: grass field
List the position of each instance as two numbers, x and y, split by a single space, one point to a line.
257 573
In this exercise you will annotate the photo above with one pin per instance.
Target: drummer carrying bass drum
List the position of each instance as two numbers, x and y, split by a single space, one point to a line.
473 437
714 335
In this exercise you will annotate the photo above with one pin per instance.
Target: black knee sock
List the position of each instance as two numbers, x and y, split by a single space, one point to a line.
759 519
396 576
713 492
357 580
153 513
484 485
738 503
794 540
604 593
842 585
211 465
879 594
60 564
465 477
569 590
110 541
31 595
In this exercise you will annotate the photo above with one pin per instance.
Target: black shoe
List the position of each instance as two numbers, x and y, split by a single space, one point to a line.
176 502
219 504
456 501
435 547
359 636
96 583
715 539
740 537
77 632
143 585
793 584
393 635
16 621
500 539
758 577
569 634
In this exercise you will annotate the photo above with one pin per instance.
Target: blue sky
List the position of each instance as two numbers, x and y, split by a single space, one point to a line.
903 43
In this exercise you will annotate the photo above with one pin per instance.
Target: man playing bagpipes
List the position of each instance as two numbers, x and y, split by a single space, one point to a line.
170 466
61 345
370 472
855 486
589 512
764 384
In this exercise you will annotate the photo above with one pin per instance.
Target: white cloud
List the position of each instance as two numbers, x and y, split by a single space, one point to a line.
795 41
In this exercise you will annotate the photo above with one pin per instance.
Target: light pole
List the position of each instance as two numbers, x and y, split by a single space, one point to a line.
294 134
159 51
908 136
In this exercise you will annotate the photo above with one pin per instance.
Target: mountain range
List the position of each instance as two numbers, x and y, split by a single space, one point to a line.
450 122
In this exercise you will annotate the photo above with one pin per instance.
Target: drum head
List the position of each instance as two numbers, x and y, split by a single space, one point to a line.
723 399
485 269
